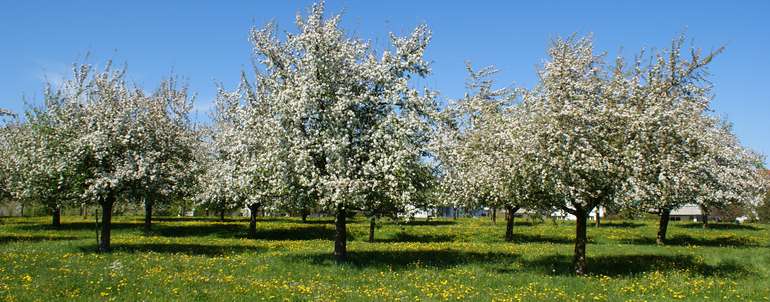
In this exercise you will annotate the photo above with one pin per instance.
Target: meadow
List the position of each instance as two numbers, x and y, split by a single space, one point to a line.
202 259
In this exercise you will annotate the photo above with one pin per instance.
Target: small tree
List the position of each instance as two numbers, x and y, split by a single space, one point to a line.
8 130
482 153
763 208
221 187
731 175
168 141
45 171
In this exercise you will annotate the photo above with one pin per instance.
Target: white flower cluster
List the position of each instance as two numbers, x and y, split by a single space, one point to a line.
326 121
591 134
97 139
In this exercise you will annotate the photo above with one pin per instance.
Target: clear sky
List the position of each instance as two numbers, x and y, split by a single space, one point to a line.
206 41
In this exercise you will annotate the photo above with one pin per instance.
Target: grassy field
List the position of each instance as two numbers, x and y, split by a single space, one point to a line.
466 259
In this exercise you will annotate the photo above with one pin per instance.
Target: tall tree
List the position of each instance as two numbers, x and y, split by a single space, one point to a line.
576 126
109 144
678 152
351 122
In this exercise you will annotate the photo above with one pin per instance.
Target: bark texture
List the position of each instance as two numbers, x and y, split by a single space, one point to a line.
56 216
510 216
372 224
665 216
147 215
253 220
340 238
104 243
579 260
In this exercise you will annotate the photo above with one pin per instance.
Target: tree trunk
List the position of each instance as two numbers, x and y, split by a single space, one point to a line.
454 213
253 220
340 238
372 223
579 260
84 211
494 215
304 216
104 244
705 218
665 215
56 216
222 215
598 217
510 215
147 214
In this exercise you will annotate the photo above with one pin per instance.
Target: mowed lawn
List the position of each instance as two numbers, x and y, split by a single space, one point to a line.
465 259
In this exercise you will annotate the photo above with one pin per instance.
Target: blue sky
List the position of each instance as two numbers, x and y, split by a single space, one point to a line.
206 41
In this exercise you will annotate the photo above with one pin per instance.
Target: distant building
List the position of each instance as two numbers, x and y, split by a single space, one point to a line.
689 212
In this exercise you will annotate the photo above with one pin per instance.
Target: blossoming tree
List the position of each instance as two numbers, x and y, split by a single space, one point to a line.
677 152
575 125
481 149
7 131
167 141
351 123
40 162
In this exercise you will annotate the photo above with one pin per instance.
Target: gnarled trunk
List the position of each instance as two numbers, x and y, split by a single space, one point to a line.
665 216
579 259
340 238
253 208
56 216
104 243
510 216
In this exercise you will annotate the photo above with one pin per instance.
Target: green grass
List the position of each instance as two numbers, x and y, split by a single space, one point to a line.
466 259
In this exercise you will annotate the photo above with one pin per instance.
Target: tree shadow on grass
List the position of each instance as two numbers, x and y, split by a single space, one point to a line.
310 221
409 259
685 240
179 248
309 232
78 226
533 238
719 226
423 222
424 238
624 224
199 230
628 265
197 219
33 238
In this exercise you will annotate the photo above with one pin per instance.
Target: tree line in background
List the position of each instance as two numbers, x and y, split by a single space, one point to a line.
327 123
